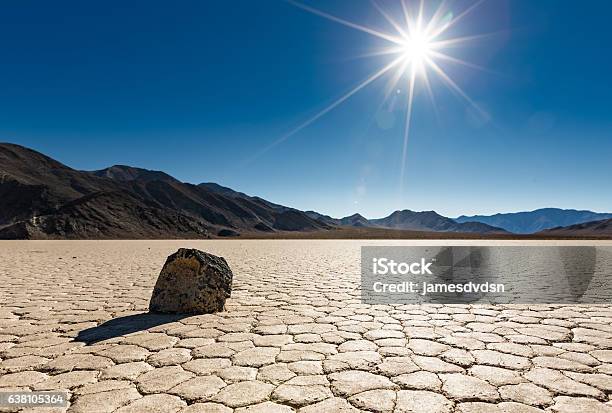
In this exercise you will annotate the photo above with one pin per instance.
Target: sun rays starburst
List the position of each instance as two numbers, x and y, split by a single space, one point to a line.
417 46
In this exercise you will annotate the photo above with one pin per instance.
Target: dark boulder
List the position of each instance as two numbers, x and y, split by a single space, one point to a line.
192 282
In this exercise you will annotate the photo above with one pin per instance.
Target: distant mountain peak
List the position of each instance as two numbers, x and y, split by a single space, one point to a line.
430 221
355 220
220 189
125 173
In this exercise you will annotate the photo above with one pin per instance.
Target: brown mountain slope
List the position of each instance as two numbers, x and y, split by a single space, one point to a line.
42 198
594 229
32 184
103 215
221 209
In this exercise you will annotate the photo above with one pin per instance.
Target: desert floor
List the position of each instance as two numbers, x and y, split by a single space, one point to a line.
295 336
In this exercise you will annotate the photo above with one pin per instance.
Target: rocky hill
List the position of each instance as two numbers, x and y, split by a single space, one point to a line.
593 229
42 198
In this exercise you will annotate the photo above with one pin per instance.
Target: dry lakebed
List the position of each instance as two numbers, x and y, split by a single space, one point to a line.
295 336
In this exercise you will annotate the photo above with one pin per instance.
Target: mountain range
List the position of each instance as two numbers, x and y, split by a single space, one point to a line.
42 198
425 221
536 221
431 221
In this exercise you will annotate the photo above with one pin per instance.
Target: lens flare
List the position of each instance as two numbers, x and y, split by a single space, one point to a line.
417 47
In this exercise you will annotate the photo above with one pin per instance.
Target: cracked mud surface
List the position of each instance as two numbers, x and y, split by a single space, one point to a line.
294 337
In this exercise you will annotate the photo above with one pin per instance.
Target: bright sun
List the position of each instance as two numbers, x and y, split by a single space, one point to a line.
416 49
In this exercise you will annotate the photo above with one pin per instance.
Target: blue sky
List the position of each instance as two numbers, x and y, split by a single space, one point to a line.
197 88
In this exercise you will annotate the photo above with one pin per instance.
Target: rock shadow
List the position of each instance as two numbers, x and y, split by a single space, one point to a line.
121 326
